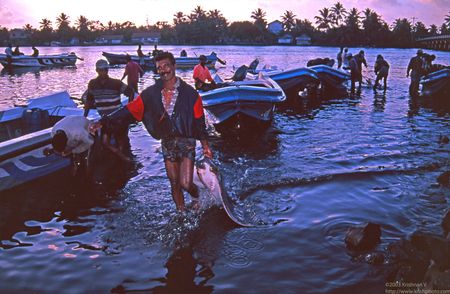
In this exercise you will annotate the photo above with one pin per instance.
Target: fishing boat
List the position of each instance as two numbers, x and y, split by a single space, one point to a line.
65 59
25 132
436 84
331 77
243 105
148 61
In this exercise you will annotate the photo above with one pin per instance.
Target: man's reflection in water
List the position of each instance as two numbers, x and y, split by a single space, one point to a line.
190 266
379 101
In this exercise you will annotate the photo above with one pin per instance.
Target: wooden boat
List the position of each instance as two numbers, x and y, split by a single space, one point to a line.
66 59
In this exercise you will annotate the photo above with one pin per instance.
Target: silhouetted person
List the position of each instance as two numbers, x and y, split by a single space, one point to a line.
35 52
415 66
381 70
133 72
339 57
16 51
183 53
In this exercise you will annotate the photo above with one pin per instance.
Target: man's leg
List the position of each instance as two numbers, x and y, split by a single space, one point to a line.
173 173
186 176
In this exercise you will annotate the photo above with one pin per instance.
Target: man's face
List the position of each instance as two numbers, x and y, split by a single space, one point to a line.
165 69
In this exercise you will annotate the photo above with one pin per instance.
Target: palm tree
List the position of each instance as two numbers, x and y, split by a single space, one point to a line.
353 19
288 20
63 21
447 20
82 23
338 13
259 16
324 19
179 18
433 30
197 13
46 25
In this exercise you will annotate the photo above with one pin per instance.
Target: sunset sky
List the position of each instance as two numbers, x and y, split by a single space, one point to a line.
17 13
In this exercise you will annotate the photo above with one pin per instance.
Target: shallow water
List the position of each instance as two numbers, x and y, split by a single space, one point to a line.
370 157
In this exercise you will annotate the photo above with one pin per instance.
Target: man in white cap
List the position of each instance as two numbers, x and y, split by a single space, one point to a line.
104 94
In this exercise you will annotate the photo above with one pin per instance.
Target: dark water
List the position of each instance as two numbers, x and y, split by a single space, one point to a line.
371 157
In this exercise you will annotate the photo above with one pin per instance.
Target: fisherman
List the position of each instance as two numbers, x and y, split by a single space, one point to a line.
202 76
361 60
9 53
415 66
104 94
16 51
139 51
354 71
346 59
156 51
71 137
172 111
183 53
381 70
133 72
35 52
8 50
140 55
339 57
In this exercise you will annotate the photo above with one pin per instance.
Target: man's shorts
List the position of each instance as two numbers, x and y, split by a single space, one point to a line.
174 149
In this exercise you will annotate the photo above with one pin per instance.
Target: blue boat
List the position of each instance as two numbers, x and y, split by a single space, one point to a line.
24 134
331 78
436 84
244 105
64 59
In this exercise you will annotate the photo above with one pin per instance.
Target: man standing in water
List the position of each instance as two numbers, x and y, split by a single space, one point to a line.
172 111
415 67
133 72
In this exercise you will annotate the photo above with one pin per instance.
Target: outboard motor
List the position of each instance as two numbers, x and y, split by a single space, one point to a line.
240 73
35 119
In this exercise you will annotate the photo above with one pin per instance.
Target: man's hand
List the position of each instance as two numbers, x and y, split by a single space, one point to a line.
94 127
207 151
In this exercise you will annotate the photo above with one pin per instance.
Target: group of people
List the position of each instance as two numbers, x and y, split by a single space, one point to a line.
16 52
171 110
419 66
354 63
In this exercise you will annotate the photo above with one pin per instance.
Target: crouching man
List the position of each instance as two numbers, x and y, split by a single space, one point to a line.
71 137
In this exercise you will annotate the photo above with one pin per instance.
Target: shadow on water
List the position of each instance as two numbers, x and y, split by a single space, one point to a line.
59 195
379 101
190 265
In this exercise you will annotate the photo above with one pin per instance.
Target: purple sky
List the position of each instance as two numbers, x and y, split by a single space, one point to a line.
17 13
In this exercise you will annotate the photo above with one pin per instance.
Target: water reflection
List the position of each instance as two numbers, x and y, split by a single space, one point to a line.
189 267
379 101
19 71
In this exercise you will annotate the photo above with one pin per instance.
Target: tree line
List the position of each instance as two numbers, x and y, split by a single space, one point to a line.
333 26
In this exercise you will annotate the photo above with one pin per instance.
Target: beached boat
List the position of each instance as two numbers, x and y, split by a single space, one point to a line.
244 105
65 59
291 81
436 84
24 134
148 62
331 77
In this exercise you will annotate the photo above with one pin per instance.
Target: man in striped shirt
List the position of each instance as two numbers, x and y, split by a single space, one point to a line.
104 94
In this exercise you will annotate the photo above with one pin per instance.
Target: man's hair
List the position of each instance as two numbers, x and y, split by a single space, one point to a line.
128 57
59 141
165 55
